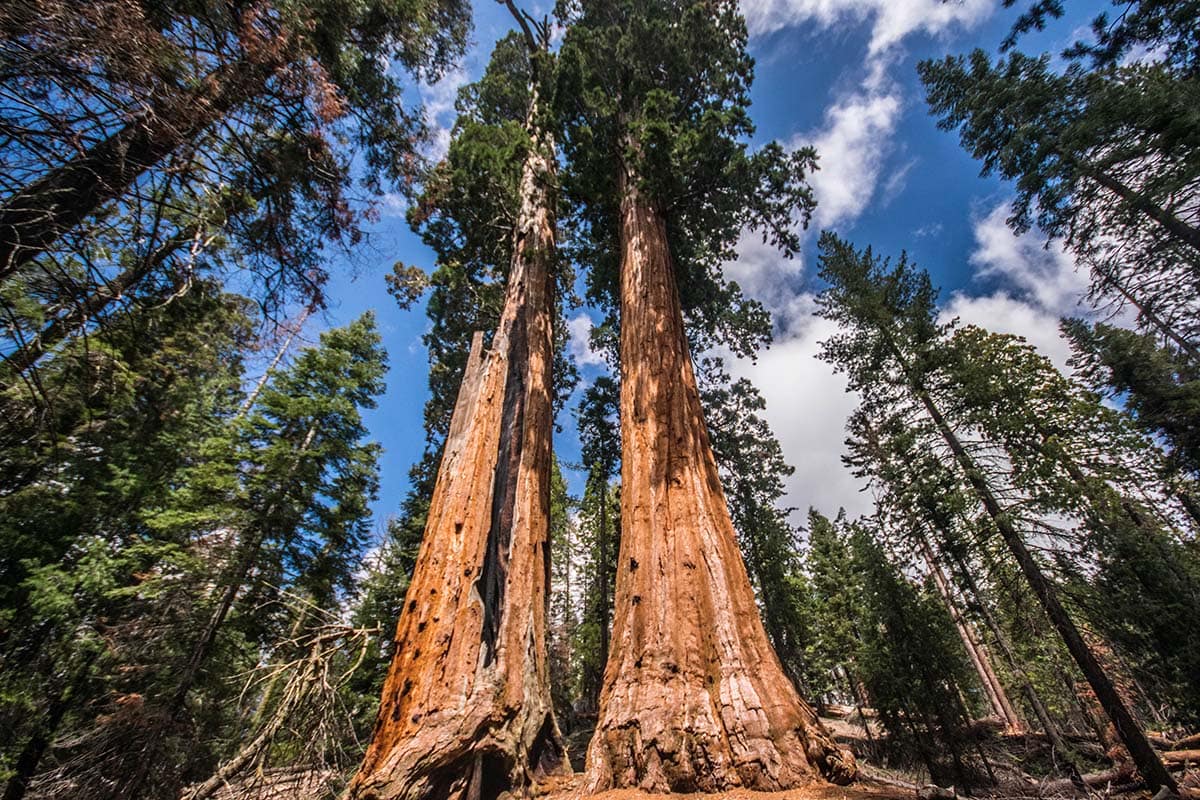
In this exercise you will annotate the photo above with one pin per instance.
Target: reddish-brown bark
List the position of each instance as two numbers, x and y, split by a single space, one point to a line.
466 709
694 698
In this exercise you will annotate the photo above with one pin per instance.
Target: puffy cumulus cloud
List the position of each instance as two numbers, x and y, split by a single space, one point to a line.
1001 312
853 144
891 20
1046 277
807 406
579 343
765 275
1038 286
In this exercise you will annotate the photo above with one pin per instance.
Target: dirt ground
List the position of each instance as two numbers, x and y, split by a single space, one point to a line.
570 789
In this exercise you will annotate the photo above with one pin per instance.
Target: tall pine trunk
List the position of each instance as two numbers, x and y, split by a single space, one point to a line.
1132 736
466 709
32 219
694 698
981 660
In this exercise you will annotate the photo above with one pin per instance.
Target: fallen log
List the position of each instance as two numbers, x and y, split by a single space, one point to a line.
1124 778
1181 757
1187 742
1091 780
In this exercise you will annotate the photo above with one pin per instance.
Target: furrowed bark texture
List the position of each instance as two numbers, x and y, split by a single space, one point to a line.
466 709
694 698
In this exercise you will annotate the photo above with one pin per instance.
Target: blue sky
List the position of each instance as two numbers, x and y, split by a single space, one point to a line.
839 74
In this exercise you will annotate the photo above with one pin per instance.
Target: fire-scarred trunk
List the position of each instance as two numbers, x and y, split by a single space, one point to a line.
694 698
466 709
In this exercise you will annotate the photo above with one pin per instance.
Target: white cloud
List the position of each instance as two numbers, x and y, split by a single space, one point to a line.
852 143
393 204
1044 276
807 406
438 101
579 343
891 20
1039 286
1002 313
765 275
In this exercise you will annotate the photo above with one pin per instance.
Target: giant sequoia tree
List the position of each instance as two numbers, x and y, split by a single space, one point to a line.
655 94
466 708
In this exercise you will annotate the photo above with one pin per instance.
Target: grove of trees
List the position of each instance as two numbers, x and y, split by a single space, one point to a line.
193 603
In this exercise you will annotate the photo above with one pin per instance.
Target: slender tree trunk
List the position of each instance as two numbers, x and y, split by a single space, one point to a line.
1001 706
30 756
1035 701
247 555
296 327
33 218
1147 313
1147 761
694 698
602 574
61 327
860 704
1089 711
466 709
1188 234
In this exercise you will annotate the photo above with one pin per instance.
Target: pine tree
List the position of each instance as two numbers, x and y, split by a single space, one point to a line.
890 327
131 409
1159 386
910 662
1075 456
1103 153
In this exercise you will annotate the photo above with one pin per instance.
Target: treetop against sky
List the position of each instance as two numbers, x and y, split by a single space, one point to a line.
839 75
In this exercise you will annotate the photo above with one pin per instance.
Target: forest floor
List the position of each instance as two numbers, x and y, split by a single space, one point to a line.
569 789
1023 767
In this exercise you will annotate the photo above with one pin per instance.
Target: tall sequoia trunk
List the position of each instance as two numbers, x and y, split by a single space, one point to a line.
466 709
33 218
694 698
